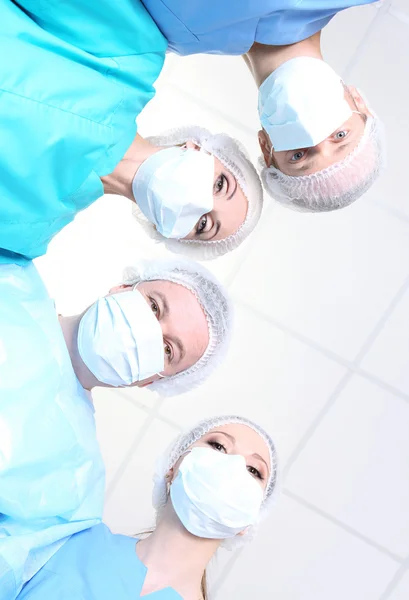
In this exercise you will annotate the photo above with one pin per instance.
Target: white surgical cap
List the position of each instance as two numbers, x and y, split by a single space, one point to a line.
216 307
336 186
183 443
234 157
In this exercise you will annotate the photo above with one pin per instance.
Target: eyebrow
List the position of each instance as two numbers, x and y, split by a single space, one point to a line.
178 342
256 455
164 303
233 192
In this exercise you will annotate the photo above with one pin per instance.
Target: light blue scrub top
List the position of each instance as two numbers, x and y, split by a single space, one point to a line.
232 26
94 565
69 95
52 475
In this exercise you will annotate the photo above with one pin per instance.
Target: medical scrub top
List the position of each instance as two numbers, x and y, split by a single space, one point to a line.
70 92
232 26
52 475
94 564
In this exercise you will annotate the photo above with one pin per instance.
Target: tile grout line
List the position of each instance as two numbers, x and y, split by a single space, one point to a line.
328 354
341 385
154 414
395 557
381 322
226 571
399 14
381 11
394 582
316 423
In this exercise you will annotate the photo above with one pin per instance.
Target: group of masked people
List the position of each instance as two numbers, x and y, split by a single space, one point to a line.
77 76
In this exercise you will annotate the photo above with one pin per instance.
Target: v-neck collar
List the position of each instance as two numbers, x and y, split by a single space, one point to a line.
134 571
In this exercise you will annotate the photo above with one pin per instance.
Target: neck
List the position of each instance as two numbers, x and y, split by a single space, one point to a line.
69 326
174 557
119 182
263 60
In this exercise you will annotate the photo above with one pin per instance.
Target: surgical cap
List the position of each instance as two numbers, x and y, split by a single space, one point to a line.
183 443
234 157
336 186
216 307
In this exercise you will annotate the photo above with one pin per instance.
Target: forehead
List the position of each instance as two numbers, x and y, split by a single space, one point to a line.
185 313
247 441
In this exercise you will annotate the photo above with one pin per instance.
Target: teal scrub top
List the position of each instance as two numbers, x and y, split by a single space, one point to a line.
52 476
69 98
94 564
232 26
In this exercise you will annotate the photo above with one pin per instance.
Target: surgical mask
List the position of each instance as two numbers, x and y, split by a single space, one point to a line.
174 188
120 339
301 103
214 495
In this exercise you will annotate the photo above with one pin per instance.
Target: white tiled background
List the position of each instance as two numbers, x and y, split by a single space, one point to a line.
320 352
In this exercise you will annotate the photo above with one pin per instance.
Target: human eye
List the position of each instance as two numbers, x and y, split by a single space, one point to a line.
217 446
168 351
340 135
298 155
220 183
201 224
254 472
154 306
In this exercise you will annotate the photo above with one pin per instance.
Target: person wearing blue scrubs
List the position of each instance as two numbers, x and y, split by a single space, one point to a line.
160 320
211 490
52 476
322 146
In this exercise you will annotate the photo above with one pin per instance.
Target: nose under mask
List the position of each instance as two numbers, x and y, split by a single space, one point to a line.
120 339
214 495
174 188
302 103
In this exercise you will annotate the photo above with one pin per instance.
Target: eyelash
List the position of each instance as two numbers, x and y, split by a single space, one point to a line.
200 228
155 310
154 307
252 470
221 179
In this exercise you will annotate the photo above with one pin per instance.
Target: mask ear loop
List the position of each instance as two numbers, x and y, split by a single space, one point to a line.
133 289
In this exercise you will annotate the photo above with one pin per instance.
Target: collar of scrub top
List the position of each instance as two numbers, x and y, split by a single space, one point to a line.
133 572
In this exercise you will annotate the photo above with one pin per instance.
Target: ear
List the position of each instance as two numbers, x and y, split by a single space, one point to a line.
145 384
191 145
359 101
118 288
169 478
265 146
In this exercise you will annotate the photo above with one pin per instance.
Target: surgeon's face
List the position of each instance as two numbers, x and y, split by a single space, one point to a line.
235 438
229 206
341 142
183 322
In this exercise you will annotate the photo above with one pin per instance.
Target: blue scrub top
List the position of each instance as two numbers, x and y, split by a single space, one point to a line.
232 26
52 476
94 564
73 78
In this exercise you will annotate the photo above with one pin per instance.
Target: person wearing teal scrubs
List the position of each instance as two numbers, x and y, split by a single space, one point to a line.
68 107
52 476
211 490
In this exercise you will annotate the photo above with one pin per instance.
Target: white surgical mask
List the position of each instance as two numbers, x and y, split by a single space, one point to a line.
214 495
174 188
120 339
301 103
